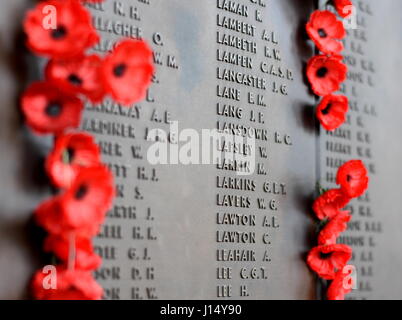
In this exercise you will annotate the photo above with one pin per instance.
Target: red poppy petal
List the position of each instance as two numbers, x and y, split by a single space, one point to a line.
334 228
49 216
85 204
79 75
127 71
70 285
326 260
325 74
81 150
331 112
49 110
325 30
344 7
330 203
65 32
340 286
353 178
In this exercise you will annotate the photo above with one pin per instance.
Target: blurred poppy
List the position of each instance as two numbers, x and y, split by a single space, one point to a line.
65 32
330 203
82 207
71 152
334 228
353 178
127 71
332 110
340 286
49 110
89 197
325 30
343 7
79 75
70 285
325 74
326 260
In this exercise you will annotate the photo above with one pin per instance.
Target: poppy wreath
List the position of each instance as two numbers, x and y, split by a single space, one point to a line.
329 259
85 188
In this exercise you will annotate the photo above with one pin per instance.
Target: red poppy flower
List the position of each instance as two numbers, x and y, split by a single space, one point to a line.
343 7
325 30
85 257
326 260
331 112
70 285
71 152
50 216
330 203
353 178
71 34
127 71
49 110
334 228
325 74
340 286
81 208
86 202
79 75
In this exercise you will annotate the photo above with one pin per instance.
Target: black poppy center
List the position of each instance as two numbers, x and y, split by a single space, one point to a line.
327 109
53 109
59 33
74 79
325 256
348 178
322 33
119 70
71 153
68 155
81 192
322 72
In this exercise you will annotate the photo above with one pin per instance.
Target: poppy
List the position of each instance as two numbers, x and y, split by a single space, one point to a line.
340 286
64 33
330 203
79 75
326 260
85 257
332 110
86 202
70 285
343 7
127 71
325 30
325 74
50 216
48 110
353 178
71 152
334 228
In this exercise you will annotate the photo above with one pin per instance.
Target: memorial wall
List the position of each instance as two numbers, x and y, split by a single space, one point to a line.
235 228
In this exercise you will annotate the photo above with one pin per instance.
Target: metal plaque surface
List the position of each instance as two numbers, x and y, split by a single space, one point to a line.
204 230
